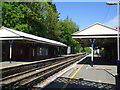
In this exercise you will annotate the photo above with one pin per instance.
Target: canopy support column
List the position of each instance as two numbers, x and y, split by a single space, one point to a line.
92 58
92 50
11 45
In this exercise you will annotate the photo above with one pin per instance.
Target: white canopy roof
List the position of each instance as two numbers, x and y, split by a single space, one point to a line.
96 31
102 34
10 34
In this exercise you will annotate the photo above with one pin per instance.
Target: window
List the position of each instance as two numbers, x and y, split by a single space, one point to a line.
42 51
21 51
33 52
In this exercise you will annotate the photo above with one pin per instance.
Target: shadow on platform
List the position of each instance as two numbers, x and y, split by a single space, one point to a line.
78 84
97 61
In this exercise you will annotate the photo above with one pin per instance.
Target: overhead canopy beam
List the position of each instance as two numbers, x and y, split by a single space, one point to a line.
97 36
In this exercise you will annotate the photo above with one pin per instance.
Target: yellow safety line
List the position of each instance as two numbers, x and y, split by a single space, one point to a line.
72 77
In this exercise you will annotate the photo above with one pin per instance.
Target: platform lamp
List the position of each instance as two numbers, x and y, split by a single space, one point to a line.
118 29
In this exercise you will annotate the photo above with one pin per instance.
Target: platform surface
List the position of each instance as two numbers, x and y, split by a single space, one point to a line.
101 76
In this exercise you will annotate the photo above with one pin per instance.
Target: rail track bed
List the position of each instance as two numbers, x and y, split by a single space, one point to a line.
25 76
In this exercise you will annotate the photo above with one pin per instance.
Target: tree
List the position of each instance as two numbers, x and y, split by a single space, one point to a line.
51 21
41 19
38 18
65 29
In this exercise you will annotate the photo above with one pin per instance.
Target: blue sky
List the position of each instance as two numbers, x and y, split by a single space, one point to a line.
83 0
88 13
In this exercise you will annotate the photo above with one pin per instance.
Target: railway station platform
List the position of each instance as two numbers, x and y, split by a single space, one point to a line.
82 75
7 64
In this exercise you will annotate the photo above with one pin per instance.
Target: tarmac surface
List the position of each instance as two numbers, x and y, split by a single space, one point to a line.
83 76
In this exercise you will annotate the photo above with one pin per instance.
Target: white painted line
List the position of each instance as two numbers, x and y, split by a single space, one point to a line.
57 76
63 72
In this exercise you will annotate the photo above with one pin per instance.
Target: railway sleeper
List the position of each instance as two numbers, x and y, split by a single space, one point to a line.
44 76
18 74
28 74
32 79
23 68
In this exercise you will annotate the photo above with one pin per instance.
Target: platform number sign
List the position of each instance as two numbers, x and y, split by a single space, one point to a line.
92 42
11 45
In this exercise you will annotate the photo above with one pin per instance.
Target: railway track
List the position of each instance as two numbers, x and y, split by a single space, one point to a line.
25 76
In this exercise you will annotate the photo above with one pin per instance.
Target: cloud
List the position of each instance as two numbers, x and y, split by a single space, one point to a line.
113 22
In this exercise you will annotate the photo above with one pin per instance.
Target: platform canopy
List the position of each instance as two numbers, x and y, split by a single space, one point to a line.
102 34
10 34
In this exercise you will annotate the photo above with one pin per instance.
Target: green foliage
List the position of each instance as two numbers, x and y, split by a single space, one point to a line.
41 19
65 28
31 17
87 50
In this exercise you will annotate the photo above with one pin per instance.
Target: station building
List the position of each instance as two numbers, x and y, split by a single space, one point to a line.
99 36
18 45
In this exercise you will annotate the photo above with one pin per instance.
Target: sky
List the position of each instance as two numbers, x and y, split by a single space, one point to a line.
85 14
83 0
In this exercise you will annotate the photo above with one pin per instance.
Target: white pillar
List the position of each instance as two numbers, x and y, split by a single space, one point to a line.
11 42
10 52
92 41
92 55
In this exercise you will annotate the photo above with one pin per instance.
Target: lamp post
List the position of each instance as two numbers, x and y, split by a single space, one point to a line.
118 28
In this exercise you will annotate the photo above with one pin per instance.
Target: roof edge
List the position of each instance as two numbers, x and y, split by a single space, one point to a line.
11 30
94 25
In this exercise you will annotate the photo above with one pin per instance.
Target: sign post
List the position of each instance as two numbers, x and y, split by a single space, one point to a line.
92 50
11 45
